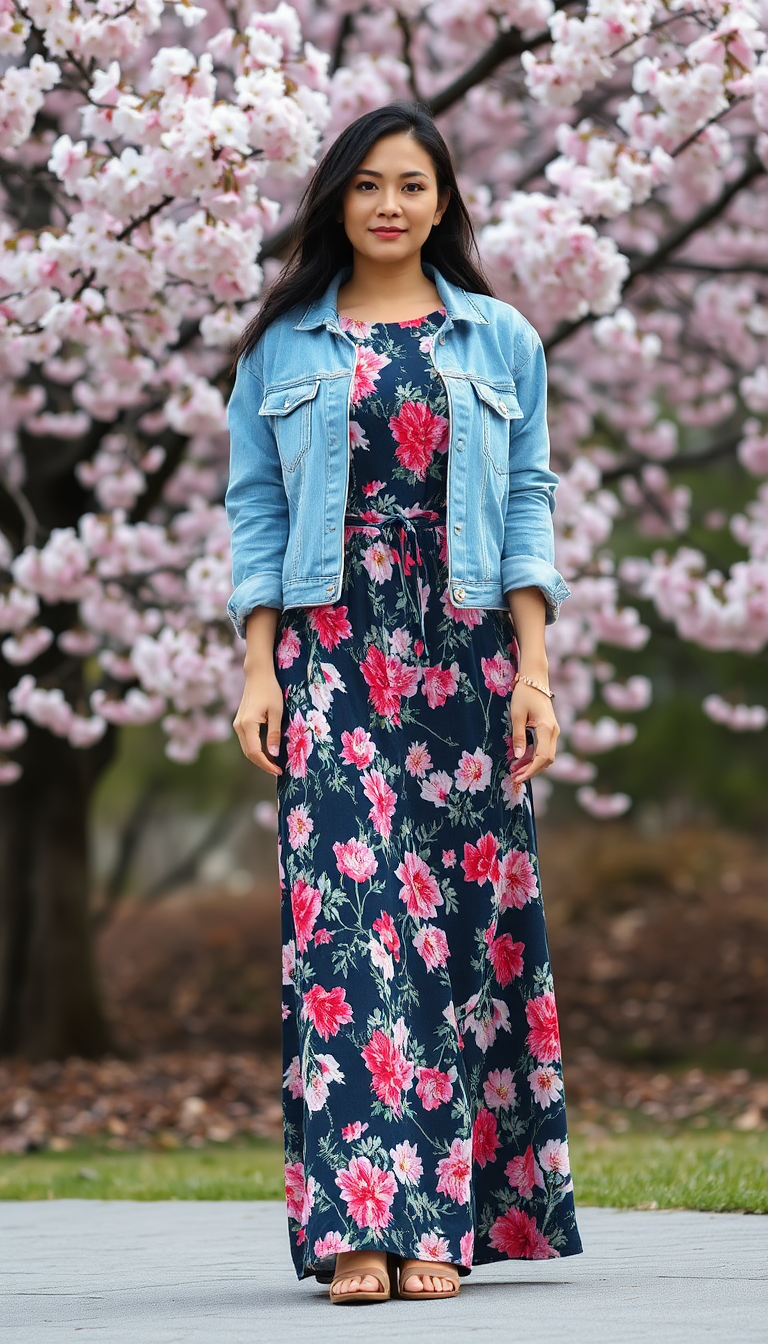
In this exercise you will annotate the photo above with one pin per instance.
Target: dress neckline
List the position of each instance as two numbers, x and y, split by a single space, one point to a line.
402 322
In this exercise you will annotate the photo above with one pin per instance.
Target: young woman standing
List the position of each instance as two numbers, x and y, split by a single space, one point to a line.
390 500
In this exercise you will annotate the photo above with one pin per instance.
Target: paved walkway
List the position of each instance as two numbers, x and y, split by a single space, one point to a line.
219 1273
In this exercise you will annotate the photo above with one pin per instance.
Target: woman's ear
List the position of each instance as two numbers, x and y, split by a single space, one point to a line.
442 205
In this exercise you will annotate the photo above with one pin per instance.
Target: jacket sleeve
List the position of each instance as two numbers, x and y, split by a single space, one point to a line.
256 503
528 553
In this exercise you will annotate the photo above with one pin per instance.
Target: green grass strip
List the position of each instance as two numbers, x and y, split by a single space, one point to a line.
714 1171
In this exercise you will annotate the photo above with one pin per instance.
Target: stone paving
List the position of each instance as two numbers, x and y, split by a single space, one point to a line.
179 1272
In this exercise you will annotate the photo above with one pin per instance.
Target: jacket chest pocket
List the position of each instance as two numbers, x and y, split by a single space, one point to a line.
290 410
497 406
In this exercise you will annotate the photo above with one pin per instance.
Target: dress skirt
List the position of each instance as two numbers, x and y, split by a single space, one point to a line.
423 1100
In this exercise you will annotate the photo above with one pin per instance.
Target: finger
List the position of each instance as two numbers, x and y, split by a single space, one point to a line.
519 721
543 758
251 729
274 720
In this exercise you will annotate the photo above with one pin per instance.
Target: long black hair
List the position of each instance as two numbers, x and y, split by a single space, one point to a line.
319 244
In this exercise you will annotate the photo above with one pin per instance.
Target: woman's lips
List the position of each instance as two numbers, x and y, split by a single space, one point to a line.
388 233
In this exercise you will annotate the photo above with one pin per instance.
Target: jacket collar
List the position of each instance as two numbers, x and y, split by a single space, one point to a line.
457 302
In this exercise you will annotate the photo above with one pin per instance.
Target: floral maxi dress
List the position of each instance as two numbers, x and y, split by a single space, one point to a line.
423 1098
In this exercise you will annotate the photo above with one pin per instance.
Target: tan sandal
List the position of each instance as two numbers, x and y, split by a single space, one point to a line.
409 1268
370 1295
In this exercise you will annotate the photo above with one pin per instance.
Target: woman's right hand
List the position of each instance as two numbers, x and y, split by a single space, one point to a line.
262 702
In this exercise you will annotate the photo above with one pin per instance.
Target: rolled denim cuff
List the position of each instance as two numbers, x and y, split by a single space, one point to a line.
529 571
260 590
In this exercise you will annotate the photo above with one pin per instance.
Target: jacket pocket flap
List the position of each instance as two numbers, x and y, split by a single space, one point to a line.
283 400
503 402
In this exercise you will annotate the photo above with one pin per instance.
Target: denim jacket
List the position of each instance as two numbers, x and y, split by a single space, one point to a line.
288 419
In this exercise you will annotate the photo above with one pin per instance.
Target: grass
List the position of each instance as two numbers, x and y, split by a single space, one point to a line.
717 1171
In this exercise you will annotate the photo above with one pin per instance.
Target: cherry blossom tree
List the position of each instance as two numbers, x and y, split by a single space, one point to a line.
614 155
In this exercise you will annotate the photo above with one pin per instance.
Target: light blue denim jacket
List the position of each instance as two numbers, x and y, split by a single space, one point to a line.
288 419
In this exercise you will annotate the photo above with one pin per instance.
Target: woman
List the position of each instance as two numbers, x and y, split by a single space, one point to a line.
390 500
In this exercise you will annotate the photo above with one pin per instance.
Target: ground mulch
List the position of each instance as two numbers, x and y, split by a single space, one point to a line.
182 1100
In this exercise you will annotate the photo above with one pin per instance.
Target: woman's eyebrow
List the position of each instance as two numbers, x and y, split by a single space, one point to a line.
411 172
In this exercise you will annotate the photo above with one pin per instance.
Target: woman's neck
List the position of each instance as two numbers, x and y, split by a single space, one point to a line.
392 293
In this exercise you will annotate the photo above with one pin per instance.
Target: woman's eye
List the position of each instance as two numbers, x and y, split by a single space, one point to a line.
417 186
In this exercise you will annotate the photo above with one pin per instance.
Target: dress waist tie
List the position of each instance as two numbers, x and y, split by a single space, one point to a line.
407 530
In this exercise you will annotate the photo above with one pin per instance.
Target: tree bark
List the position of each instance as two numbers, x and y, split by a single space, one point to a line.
50 1005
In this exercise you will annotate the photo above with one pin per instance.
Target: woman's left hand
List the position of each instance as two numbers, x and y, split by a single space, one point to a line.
529 708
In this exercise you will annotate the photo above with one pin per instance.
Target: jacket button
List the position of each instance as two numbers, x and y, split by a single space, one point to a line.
457 527
287 401
442 340
502 406
458 594
460 444
330 587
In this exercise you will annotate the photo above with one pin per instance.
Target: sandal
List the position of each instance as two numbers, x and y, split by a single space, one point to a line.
441 1271
369 1295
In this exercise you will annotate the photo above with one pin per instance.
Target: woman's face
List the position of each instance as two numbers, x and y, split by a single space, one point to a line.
392 201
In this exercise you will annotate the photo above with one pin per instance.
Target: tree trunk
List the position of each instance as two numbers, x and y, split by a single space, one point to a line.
50 1005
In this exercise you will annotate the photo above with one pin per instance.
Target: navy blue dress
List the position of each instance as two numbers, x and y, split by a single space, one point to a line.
423 1097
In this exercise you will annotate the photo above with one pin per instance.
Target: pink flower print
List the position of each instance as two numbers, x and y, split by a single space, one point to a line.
357 437
466 1246
554 1157
485 1028
434 1087
300 827
406 1163
506 958
440 682
523 1173
322 936
455 1171
355 1130
383 799
432 946
388 679
300 744
419 433
373 487
517 880
289 960
513 790
355 327
377 560
386 930
430 1246
355 859
391 1072
400 641
463 615
499 1090
417 321
327 1009
449 858
480 862
418 760
473 773
292 1078
368 1192
485 1138
498 673
330 623
332 1244
543 1039
436 788
419 890
305 904
357 748
299 1194
368 366
381 958
319 725
546 1085
515 1234
316 1090
288 647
